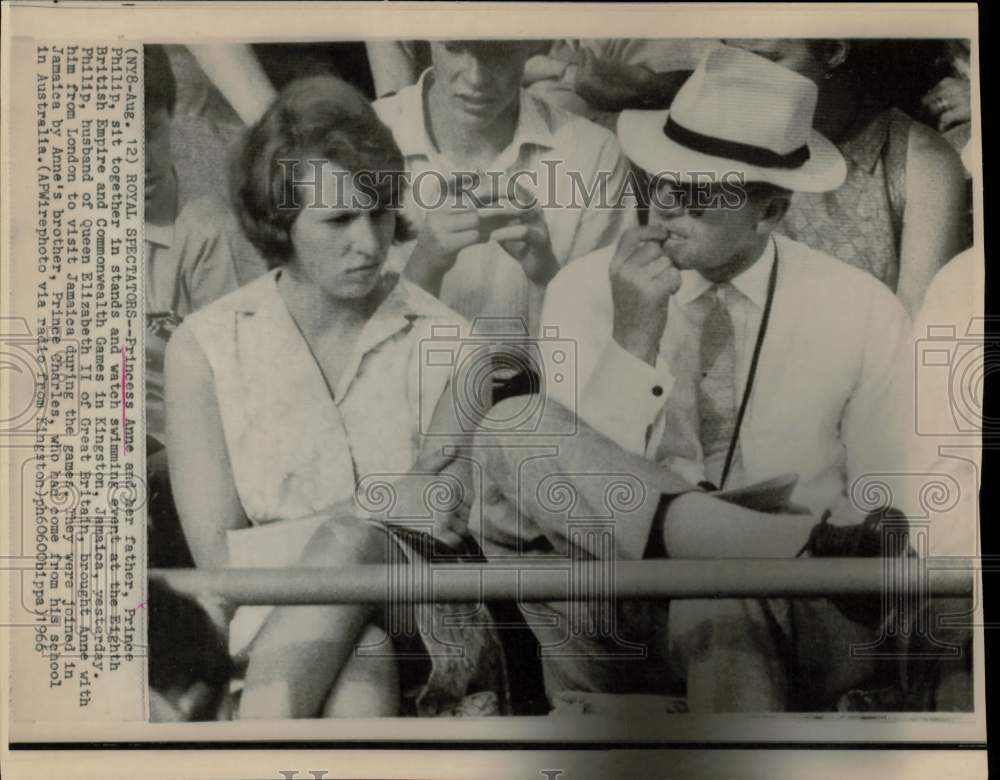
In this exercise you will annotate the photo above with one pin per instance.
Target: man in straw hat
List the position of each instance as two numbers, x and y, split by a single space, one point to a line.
708 345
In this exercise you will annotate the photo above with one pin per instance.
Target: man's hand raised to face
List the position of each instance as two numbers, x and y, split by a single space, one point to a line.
642 280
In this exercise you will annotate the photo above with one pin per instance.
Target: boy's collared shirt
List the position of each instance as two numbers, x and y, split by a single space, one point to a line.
560 155
192 261
188 264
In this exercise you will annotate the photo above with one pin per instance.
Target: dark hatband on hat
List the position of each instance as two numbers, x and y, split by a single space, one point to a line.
734 150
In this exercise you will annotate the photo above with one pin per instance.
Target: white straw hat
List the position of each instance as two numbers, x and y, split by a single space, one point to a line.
738 112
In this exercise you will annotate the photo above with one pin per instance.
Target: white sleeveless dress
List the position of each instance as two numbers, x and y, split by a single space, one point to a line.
296 451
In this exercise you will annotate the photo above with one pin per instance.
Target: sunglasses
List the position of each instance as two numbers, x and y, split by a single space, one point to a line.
698 197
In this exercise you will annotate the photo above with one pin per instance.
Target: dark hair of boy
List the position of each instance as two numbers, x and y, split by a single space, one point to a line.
160 83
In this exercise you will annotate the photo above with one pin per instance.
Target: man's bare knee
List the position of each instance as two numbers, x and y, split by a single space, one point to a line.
696 625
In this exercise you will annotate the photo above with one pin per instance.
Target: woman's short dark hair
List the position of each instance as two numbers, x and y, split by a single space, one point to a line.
885 72
314 118
159 83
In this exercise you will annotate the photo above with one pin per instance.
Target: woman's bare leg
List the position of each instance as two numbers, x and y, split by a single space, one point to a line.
368 685
301 651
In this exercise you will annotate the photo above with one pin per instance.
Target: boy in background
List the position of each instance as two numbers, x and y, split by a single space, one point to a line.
194 253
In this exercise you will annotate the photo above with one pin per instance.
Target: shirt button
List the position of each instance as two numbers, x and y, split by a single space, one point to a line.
657 391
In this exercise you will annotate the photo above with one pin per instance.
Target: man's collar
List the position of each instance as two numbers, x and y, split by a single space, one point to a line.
533 127
752 282
412 133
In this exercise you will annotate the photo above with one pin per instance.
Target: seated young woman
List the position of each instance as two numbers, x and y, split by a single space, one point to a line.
900 215
287 396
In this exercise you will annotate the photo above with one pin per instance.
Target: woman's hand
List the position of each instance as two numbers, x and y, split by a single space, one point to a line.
949 102
438 490
451 525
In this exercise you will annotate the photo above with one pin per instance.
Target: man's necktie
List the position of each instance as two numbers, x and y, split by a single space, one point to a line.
717 393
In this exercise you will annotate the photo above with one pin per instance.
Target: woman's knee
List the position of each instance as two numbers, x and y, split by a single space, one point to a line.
346 541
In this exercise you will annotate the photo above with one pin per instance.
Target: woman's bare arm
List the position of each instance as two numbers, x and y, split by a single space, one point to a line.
543 67
610 85
200 473
442 453
934 216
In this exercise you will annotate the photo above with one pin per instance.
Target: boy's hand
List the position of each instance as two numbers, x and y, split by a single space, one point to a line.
528 240
450 228
446 232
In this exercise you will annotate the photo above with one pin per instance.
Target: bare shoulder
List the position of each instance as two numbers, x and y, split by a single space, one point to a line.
931 161
185 359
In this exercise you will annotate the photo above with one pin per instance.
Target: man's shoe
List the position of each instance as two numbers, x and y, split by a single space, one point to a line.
859 540
868 539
